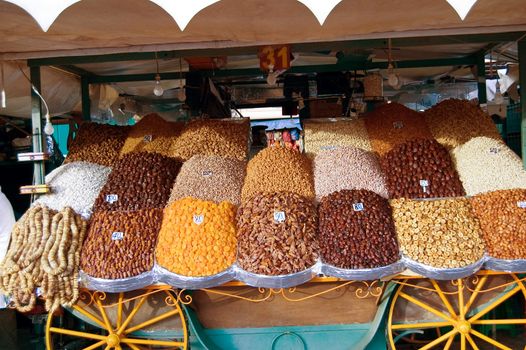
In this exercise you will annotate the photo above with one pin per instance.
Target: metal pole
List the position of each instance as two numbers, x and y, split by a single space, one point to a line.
86 103
481 77
36 126
522 83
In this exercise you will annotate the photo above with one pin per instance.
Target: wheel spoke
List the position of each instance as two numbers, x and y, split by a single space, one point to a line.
151 321
461 305
475 293
489 340
427 307
504 321
462 341
89 315
438 340
420 325
119 310
449 341
96 345
134 347
152 342
104 316
444 299
495 303
77 334
521 284
131 315
471 342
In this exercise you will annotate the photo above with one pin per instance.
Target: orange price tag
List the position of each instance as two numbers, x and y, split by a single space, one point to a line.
276 56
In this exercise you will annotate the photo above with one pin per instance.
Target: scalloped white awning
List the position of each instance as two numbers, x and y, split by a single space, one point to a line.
45 12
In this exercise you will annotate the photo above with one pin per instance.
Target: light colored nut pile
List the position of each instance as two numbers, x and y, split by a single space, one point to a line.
277 234
439 233
486 164
140 181
44 253
75 185
392 124
421 169
277 169
121 244
502 216
347 168
197 238
152 134
356 230
454 122
323 134
210 178
225 138
97 143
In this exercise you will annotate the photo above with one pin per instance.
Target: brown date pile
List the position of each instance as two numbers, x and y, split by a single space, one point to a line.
277 234
356 230
421 169
502 216
121 244
97 143
139 181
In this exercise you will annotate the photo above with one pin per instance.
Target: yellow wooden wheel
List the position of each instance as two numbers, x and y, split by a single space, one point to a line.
146 319
452 314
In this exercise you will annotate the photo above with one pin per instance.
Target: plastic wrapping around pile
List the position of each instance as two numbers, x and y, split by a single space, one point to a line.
485 164
392 124
75 185
97 143
347 168
332 133
152 134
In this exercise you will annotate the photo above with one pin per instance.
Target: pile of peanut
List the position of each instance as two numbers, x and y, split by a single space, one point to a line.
356 230
210 178
121 244
152 134
454 122
277 169
502 216
421 169
138 181
197 238
277 234
347 168
485 164
392 124
225 138
439 233
97 143
326 134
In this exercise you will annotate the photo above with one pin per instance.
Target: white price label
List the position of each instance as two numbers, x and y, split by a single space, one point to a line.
207 173
112 198
424 184
117 236
279 216
398 125
148 138
357 206
494 150
328 148
521 204
198 219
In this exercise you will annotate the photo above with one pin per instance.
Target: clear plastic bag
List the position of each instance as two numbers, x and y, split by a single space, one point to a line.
513 266
443 273
118 285
363 274
279 281
180 281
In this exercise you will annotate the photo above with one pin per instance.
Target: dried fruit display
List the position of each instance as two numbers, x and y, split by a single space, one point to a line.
392 124
421 169
121 244
225 138
356 230
210 178
454 122
97 143
152 134
277 234
197 238
138 181
44 253
347 168
502 216
486 164
439 233
278 169
327 134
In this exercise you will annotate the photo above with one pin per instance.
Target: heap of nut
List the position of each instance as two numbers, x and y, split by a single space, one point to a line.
97 143
277 234
356 230
439 233
502 216
121 244
197 238
421 169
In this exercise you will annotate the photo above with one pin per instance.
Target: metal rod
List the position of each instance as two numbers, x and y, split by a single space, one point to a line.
36 125
522 82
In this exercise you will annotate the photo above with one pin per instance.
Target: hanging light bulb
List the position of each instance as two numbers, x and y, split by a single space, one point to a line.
499 99
392 78
158 89
3 96
181 94
271 78
48 128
